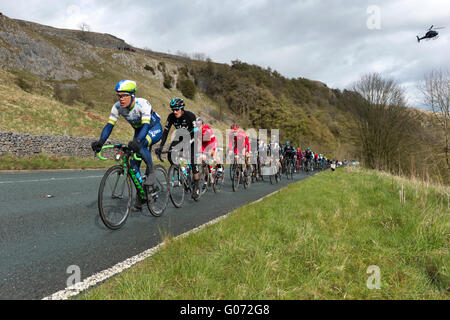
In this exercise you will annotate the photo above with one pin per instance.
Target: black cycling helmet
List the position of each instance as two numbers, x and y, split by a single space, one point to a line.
177 103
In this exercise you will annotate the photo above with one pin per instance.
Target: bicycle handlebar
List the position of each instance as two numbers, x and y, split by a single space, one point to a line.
118 146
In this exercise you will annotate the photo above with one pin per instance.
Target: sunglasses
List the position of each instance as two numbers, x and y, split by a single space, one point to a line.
177 109
122 96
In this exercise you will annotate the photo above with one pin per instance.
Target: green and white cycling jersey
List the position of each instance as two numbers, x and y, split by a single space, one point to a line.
141 113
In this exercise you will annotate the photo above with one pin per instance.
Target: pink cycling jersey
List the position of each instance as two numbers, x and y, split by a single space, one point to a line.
239 139
209 141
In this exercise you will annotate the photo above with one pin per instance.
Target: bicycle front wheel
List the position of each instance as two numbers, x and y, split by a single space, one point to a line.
218 182
204 179
176 185
114 197
158 194
235 180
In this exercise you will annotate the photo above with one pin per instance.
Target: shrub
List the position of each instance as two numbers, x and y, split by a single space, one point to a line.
188 89
167 81
58 93
24 84
149 68
162 66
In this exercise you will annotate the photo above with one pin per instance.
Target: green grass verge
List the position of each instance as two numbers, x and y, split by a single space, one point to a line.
313 240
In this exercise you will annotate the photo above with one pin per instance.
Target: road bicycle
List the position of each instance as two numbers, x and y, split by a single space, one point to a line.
298 164
276 177
289 168
181 181
210 175
238 175
115 192
257 170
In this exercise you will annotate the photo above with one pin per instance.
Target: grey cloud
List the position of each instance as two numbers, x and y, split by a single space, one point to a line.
325 40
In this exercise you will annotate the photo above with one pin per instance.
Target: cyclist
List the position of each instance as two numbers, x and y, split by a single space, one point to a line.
209 142
147 128
308 157
289 153
239 139
261 151
181 119
258 149
299 158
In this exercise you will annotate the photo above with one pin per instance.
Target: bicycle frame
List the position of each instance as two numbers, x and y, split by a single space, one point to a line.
127 170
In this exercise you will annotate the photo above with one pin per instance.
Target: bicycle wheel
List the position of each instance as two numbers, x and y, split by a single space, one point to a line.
236 177
158 194
218 182
248 178
232 170
204 179
114 197
278 175
176 185
260 176
288 170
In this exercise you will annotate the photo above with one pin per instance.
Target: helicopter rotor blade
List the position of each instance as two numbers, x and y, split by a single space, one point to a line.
431 27
439 28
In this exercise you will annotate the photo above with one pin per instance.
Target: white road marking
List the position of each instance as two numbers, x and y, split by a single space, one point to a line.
50 179
121 266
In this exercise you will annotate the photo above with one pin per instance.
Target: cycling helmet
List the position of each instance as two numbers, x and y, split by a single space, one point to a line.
126 86
177 103
308 149
199 122
287 143
235 126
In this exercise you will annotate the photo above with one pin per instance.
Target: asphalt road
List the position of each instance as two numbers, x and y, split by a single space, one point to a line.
49 221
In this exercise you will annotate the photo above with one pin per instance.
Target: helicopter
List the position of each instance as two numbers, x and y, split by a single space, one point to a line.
430 34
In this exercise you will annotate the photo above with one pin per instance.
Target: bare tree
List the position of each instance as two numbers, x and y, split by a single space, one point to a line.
84 27
385 126
436 92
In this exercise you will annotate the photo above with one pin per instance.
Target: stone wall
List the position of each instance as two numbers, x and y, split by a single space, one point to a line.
24 145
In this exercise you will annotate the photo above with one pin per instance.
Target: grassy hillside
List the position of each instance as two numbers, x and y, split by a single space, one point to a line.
315 239
36 111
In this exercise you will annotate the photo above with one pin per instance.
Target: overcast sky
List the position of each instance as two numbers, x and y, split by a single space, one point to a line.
333 41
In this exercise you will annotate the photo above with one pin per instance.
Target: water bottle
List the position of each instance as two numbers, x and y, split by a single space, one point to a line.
138 175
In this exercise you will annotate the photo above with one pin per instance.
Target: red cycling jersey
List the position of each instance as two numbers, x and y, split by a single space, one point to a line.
208 139
238 139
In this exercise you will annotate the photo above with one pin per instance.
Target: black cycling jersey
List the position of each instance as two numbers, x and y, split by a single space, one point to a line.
186 121
289 151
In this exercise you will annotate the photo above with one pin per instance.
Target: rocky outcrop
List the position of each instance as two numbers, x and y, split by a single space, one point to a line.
50 53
